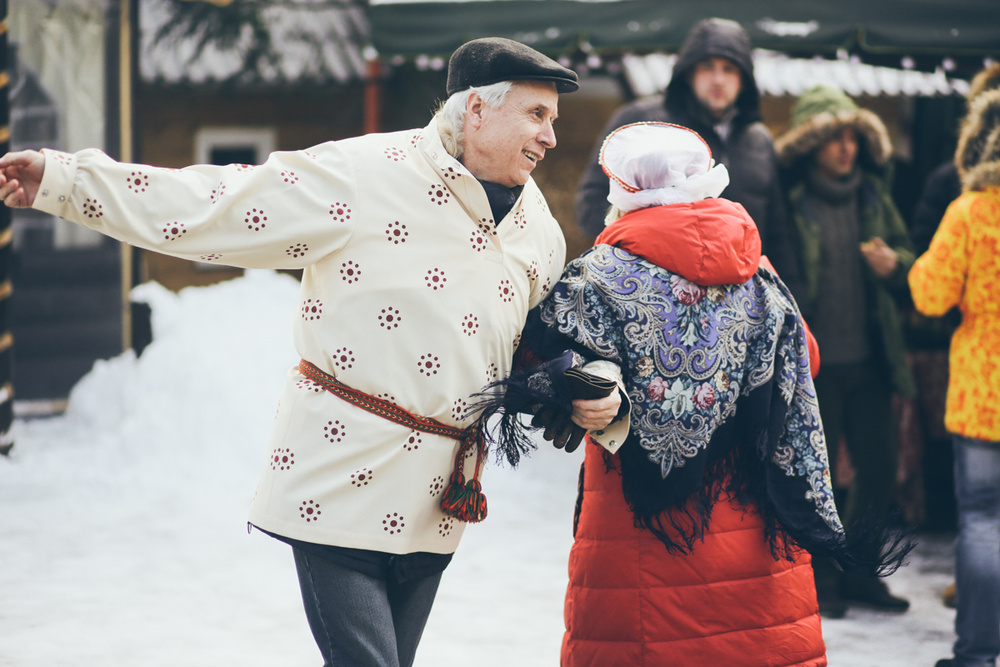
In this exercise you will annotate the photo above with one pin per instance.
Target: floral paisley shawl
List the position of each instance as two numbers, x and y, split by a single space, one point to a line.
690 355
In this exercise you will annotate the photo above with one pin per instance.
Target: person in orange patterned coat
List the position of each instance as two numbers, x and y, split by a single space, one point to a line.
962 268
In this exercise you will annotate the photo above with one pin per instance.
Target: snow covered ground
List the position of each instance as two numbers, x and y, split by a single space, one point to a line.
123 539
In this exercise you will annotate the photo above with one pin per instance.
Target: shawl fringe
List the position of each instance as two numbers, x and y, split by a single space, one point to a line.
541 391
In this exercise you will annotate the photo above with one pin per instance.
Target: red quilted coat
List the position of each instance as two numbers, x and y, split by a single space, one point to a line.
728 603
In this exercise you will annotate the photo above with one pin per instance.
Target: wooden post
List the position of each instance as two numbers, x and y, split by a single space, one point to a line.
6 250
373 96
127 26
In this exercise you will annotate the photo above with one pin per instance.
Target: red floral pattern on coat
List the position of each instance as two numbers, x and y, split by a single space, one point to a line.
429 364
310 385
350 272
396 232
437 485
393 523
59 156
309 511
217 193
138 181
174 231
343 359
435 279
334 431
506 291
282 459
312 309
413 441
361 477
389 318
92 209
439 195
340 212
255 219
478 240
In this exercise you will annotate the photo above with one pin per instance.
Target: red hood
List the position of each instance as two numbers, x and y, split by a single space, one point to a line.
709 242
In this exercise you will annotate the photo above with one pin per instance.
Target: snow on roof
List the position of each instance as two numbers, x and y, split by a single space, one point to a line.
313 41
779 74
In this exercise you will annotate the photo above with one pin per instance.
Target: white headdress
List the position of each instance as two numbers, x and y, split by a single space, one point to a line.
657 164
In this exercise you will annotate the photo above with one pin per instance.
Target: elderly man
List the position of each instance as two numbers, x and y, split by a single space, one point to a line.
422 251
713 92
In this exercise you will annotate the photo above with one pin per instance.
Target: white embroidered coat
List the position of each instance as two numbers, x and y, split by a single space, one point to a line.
409 293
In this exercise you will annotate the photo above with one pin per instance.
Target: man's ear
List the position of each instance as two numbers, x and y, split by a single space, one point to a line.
474 108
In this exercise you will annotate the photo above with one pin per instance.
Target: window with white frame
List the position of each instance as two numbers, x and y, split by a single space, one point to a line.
234 145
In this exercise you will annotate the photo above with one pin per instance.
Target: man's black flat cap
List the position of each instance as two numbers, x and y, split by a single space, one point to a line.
495 59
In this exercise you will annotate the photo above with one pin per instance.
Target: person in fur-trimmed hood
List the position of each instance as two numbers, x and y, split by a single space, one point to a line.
854 255
962 268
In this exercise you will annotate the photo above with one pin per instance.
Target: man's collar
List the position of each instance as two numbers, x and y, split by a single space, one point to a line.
501 198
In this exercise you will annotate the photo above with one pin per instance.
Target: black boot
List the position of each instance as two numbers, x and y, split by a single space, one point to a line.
831 605
871 592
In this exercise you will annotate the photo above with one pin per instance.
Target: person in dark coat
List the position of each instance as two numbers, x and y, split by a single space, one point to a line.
713 92
940 189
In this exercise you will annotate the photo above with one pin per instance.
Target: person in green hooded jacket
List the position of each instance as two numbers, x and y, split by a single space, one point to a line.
854 255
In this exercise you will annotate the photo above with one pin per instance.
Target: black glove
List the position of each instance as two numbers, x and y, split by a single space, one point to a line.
559 428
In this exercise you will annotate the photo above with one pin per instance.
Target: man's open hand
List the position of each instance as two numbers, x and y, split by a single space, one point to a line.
20 175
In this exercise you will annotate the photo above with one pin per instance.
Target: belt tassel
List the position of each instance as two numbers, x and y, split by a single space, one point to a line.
463 500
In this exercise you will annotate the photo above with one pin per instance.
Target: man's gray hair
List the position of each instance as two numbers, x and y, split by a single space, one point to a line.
451 114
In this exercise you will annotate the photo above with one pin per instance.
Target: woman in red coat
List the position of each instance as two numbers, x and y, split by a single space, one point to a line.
693 535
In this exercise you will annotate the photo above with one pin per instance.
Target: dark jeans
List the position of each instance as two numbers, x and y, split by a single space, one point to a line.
977 552
855 401
359 620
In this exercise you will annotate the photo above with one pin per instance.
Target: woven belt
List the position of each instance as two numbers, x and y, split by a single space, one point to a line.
463 500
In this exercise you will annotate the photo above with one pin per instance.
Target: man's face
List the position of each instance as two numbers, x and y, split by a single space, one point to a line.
503 145
716 83
836 157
